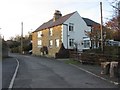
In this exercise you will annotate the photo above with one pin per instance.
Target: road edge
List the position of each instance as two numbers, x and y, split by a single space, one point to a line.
115 83
14 75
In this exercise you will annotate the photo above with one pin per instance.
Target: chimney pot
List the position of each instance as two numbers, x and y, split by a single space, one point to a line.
57 15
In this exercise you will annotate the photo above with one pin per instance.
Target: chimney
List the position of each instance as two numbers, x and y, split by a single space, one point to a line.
57 15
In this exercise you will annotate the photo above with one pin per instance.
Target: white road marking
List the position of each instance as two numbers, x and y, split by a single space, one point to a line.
116 83
15 73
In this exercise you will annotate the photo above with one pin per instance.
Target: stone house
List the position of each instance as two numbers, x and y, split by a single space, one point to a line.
59 34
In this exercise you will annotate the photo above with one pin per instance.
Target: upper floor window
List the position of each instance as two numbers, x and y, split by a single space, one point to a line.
71 42
57 42
39 34
71 26
50 31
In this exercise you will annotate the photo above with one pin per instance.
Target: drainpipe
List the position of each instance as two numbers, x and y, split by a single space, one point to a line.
67 33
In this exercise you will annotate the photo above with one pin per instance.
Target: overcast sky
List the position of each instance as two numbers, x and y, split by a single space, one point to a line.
35 12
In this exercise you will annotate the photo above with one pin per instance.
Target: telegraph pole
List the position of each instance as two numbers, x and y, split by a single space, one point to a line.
101 27
119 15
21 37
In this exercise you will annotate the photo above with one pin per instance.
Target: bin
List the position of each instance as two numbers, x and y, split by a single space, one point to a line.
114 69
105 67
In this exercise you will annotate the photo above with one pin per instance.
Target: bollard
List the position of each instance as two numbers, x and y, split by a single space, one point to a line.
119 73
105 66
113 69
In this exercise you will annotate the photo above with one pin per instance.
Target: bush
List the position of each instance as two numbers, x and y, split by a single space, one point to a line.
112 50
4 49
62 53
15 50
111 53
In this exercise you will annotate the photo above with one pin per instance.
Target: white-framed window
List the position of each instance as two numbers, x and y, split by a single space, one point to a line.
71 27
50 43
57 42
71 42
86 44
39 34
50 31
39 43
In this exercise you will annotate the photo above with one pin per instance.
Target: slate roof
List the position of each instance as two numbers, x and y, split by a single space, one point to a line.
61 20
89 22
52 23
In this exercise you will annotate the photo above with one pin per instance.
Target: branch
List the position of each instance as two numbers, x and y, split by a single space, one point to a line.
115 7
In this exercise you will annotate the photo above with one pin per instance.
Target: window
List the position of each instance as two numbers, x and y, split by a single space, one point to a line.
57 42
71 26
50 43
86 44
39 34
50 31
71 42
39 43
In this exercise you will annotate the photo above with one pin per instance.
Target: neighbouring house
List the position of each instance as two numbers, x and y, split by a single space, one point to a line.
61 34
93 39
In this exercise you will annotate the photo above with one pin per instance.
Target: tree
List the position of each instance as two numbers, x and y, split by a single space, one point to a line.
15 42
4 48
114 23
94 35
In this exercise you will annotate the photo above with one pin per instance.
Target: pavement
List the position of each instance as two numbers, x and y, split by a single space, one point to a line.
94 70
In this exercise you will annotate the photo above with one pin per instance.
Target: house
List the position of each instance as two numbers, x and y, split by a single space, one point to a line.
59 34
93 40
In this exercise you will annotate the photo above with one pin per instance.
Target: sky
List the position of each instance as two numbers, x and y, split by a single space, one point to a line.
35 12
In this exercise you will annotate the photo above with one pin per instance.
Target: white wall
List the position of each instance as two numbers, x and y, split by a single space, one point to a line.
78 33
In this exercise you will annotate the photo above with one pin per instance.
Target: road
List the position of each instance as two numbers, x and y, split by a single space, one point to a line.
8 68
40 72
0 73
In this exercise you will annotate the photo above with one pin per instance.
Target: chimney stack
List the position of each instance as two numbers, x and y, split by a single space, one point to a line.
57 15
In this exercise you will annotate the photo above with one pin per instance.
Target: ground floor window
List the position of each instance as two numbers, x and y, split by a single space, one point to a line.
57 42
50 43
39 43
71 42
86 44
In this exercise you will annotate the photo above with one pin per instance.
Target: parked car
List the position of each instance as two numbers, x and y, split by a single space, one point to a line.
30 52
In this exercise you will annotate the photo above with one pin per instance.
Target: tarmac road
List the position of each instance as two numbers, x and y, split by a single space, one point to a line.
40 72
0 74
8 68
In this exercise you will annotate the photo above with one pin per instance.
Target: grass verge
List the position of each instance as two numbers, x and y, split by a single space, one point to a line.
72 61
